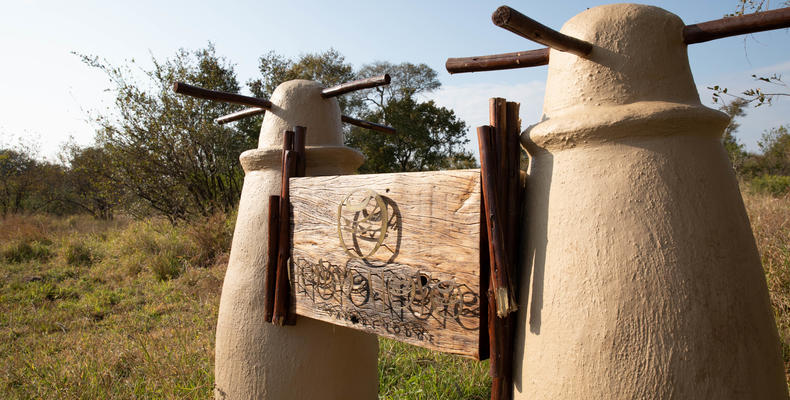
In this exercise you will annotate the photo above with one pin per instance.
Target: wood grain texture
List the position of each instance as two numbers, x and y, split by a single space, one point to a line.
526 27
495 62
368 125
270 285
358 84
422 284
245 113
216 95
739 25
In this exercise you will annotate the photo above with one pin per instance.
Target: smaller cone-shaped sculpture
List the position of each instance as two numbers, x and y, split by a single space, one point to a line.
311 360
641 279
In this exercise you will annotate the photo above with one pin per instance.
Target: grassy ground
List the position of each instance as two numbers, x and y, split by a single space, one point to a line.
770 218
127 309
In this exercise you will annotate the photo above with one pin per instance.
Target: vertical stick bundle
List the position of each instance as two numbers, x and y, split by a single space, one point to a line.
271 264
278 293
500 154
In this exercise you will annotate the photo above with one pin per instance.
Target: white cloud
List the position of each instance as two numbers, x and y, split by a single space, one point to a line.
781 68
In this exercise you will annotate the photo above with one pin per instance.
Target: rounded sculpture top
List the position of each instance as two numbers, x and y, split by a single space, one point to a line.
638 55
299 102
635 82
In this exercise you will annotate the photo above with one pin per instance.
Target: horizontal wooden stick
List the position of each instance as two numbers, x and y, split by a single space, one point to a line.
521 59
247 112
369 125
740 25
526 27
697 33
199 92
358 84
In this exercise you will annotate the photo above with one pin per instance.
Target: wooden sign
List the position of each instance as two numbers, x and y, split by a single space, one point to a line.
397 255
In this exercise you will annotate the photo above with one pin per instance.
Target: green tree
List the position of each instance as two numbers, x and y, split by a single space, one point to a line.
28 184
164 148
328 68
734 109
408 81
17 179
775 148
428 137
90 181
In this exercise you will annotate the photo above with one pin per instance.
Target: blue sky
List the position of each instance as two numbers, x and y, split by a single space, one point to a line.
47 92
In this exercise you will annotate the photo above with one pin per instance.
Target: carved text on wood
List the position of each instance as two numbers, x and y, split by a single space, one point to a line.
397 255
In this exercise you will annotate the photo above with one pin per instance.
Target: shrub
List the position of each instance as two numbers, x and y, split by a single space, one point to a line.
211 238
776 185
157 244
25 228
166 265
78 254
25 250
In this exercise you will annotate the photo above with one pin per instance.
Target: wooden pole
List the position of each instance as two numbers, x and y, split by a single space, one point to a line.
503 118
487 305
500 152
288 144
521 59
740 25
282 296
247 112
503 287
526 27
300 135
484 134
282 299
358 84
697 33
271 266
513 173
369 125
194 91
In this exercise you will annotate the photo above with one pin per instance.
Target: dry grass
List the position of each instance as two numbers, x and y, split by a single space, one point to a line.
127 309
96 320
770 218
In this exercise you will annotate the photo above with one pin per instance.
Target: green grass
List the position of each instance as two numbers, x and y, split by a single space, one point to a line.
127 309
409 372
94 321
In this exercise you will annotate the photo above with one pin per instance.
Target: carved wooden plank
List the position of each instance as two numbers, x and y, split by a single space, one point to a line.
419 282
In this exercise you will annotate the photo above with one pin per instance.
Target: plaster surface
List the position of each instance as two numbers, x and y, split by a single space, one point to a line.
641 278
313 359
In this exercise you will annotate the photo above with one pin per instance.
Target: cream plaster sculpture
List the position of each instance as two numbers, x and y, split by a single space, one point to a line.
311 360
641 278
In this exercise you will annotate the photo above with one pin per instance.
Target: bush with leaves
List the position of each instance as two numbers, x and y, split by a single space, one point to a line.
165 149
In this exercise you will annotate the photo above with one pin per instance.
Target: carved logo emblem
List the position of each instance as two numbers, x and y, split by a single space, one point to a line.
362 217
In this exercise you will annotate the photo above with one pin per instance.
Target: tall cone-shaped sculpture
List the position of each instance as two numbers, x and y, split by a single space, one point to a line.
311 360
641 277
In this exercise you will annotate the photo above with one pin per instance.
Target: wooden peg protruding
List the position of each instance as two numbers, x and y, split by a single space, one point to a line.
368 125
526 27
358 84
201 93
245 113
